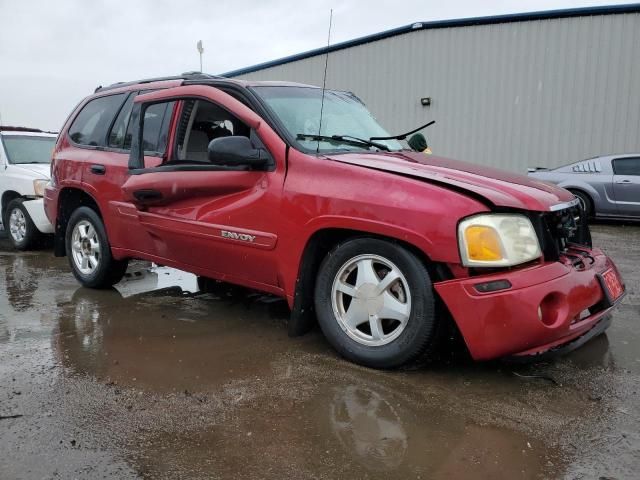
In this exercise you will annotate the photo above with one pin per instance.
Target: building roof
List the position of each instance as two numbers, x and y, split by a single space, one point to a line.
460 22
21 130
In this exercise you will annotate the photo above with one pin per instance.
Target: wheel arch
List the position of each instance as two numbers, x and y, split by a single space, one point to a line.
591 197
582 187
69 199
6 198
318 245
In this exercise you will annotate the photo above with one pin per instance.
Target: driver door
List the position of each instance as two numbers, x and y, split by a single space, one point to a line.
202 215
626 185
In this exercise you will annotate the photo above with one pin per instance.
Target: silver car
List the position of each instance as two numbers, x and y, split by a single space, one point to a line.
607 186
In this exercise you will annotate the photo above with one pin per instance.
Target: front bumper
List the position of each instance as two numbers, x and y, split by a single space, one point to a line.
50 202
51 197
35 208
548 306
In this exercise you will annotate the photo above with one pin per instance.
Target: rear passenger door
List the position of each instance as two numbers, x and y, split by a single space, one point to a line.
102 132
626 185
218 221
104 165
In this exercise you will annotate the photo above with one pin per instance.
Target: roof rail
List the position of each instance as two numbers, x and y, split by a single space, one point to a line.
183 76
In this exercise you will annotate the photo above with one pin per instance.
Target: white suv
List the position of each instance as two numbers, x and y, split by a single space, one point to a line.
25 155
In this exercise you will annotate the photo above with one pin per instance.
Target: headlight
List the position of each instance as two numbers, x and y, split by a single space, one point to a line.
497 240
38 187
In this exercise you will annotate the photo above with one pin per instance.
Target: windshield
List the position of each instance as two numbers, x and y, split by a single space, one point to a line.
343 114
23 149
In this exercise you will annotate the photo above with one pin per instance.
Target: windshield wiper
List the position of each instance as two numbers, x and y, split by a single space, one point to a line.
402 136
347 139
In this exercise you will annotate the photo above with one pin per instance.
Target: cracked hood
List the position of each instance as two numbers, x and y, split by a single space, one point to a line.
498 187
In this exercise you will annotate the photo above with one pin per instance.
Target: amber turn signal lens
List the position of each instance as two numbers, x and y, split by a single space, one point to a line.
483 243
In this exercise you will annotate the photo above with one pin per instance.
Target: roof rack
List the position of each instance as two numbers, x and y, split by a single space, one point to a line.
183 76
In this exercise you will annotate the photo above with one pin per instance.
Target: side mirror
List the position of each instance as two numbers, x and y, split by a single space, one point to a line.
236 151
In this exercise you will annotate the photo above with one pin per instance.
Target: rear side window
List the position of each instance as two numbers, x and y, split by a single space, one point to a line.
117 137
626 166
157 118
156 127
92 123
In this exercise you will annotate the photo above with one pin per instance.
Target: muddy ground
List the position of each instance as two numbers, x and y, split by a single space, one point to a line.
155 380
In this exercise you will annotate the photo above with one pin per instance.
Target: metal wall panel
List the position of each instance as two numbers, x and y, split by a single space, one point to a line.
509 95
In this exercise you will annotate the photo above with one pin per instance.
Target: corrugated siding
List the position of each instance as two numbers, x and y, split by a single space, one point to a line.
509 95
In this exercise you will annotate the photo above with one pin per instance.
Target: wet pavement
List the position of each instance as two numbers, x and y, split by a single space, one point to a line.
156 380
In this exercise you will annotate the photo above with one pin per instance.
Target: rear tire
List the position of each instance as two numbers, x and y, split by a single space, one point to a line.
89 251
19 227
369 320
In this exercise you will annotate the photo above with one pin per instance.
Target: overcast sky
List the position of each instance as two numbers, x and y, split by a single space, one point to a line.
54 53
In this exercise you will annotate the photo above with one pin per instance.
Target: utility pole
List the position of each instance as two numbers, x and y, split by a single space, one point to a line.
200 51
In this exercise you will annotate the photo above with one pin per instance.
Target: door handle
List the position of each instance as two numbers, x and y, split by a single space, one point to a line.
623 182
147 195
98 169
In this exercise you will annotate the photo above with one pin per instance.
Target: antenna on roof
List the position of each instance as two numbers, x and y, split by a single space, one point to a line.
324 80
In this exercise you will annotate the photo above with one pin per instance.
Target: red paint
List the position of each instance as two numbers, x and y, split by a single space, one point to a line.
501 188
506 322
420 204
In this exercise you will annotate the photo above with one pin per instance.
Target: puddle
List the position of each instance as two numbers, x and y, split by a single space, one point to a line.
167 341
388 433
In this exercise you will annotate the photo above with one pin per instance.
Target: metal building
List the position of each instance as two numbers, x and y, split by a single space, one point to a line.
511 91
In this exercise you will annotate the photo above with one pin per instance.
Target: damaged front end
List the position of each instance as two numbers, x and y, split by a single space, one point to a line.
557 230
553 305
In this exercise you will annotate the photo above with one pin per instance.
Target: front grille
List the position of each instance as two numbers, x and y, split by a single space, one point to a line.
558 230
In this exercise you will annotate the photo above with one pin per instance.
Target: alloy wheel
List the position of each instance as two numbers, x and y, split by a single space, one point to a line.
85 247
371 300
583 204
17 225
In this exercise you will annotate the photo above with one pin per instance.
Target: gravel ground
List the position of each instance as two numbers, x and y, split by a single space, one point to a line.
149 380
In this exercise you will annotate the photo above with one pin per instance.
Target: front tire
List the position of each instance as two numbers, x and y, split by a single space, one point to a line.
89 251
19 227
375 303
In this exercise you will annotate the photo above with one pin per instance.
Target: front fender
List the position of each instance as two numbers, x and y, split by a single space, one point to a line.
299 288
405 234
18 180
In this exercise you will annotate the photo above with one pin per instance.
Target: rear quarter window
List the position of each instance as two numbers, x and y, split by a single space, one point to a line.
91 125
587 166
117 137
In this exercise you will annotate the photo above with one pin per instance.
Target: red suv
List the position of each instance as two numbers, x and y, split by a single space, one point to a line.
297 192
